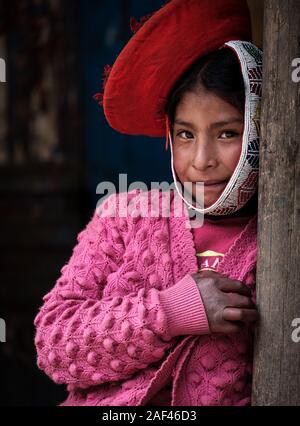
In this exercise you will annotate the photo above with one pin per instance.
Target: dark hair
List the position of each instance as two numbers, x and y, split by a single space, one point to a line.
218 72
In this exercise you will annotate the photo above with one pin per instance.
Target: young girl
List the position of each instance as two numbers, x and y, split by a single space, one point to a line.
151 309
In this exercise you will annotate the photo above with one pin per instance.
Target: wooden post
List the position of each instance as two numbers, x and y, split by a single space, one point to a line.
276 373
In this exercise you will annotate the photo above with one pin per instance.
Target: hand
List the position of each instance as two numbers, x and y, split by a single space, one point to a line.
227 302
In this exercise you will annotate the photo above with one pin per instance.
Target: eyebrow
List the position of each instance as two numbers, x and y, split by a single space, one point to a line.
214 125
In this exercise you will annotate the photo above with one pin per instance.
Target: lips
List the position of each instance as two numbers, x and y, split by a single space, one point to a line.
215 186
214 182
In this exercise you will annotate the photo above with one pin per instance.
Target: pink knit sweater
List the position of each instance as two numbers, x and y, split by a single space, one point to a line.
125 315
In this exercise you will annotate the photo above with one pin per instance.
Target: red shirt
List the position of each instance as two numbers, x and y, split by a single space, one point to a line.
214 238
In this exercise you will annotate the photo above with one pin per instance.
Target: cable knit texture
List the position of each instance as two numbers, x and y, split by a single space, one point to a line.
125 315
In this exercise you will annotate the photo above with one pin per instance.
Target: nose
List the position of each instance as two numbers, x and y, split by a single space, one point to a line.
205 154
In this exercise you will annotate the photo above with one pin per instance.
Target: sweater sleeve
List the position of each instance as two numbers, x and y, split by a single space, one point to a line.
86 338
184 308
86 335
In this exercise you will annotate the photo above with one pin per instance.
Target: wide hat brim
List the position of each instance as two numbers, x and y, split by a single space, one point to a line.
168 43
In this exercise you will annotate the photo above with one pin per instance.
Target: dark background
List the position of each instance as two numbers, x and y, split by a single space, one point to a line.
55 147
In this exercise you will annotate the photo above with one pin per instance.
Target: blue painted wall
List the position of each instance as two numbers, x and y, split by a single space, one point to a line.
105 30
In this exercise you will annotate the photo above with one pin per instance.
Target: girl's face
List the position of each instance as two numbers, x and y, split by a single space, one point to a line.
207 142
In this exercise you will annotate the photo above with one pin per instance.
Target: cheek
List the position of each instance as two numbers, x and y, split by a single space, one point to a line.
233 156
179 162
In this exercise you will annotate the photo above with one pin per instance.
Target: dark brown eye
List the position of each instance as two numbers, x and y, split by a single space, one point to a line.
231 133
189 134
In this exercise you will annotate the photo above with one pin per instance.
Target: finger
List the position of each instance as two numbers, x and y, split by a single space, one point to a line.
244 315
238 301
229 327
235 286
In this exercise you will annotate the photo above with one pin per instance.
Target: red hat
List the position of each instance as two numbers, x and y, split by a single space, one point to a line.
158 54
